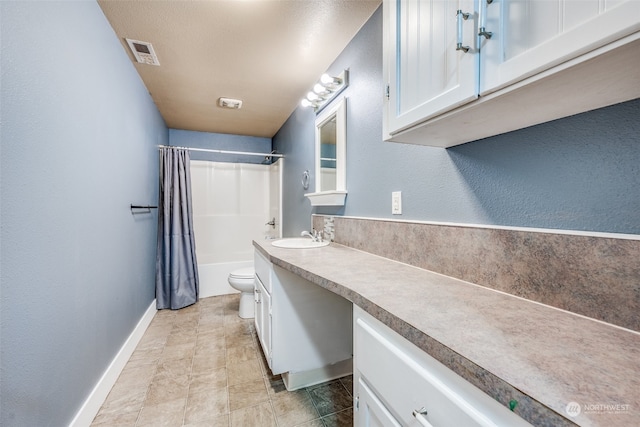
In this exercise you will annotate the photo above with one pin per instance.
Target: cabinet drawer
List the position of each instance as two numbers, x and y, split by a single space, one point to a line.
263 269
405 379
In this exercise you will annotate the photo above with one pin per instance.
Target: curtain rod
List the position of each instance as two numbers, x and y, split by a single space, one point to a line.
246 153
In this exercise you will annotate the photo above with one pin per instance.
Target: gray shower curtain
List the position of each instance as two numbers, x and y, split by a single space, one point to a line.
177 283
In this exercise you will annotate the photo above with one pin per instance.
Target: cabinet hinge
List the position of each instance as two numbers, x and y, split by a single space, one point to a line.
356 402
386 91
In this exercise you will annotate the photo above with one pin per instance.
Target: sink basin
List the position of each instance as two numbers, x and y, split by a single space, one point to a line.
298 243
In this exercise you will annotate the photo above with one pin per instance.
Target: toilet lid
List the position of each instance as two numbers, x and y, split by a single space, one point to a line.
243 273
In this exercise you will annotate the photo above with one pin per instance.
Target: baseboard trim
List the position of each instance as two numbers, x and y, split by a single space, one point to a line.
96 398
297 380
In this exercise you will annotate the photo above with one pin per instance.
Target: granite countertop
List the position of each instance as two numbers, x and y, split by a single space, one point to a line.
509 347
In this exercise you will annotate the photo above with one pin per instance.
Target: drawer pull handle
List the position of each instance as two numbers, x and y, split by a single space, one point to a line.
482 16
419 415
460 16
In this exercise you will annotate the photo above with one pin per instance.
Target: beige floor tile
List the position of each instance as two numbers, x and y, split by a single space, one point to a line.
242 340
254 416
124 398
219 421
182 337
164 389
212 316
185 326
203 363
210 327
120 419
168 414
179 351
172 368
202 406
294 408
137 375
247 394
204 366
163 316
210 343
208 381
241 354
153 340
244 371
189 309
238 329
146 356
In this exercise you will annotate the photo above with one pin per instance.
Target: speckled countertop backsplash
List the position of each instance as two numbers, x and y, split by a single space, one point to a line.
598 277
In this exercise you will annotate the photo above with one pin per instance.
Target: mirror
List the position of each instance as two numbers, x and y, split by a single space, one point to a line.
327 135
330 156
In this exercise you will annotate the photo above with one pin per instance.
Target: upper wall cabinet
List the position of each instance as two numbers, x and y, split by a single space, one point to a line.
458 71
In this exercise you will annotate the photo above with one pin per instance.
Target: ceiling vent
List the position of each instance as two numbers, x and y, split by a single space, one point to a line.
234 104
143 52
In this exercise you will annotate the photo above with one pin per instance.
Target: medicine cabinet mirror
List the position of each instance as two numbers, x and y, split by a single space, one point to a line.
330 156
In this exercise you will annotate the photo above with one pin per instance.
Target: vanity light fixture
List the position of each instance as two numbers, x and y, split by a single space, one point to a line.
325 90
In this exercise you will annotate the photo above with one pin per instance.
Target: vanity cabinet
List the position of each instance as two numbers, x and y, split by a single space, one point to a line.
262 320
304 330
397 384
447 85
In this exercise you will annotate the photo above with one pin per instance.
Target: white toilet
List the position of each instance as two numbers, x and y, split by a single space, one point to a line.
242 280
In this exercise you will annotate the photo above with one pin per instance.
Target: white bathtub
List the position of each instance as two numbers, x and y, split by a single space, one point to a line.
213 277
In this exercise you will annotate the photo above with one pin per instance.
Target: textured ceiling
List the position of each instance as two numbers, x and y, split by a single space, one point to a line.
268 53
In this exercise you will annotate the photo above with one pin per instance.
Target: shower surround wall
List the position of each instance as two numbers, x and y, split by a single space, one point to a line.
593 275
229 202
232 202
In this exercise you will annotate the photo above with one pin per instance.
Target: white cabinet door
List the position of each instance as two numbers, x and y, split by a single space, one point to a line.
425 73
531 36
263 318
370 411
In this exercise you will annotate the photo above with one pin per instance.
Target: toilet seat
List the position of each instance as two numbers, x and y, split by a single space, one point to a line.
243 273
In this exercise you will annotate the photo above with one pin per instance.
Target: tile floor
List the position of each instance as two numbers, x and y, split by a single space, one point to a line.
203 366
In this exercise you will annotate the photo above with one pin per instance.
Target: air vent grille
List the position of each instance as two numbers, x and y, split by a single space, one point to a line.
143 52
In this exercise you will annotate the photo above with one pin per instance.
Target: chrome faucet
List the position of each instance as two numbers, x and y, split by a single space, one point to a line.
314 235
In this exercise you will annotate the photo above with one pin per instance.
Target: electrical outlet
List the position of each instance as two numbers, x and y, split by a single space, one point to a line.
396 203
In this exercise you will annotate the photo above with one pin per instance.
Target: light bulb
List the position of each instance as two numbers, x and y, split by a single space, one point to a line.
320 90
312 96
306 103
326 79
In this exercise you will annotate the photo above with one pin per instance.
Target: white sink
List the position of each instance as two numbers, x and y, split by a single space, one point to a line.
298 243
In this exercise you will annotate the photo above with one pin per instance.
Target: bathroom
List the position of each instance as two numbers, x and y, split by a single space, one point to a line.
79 145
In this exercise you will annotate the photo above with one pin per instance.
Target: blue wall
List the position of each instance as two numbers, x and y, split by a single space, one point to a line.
79 137
221 141
576 173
